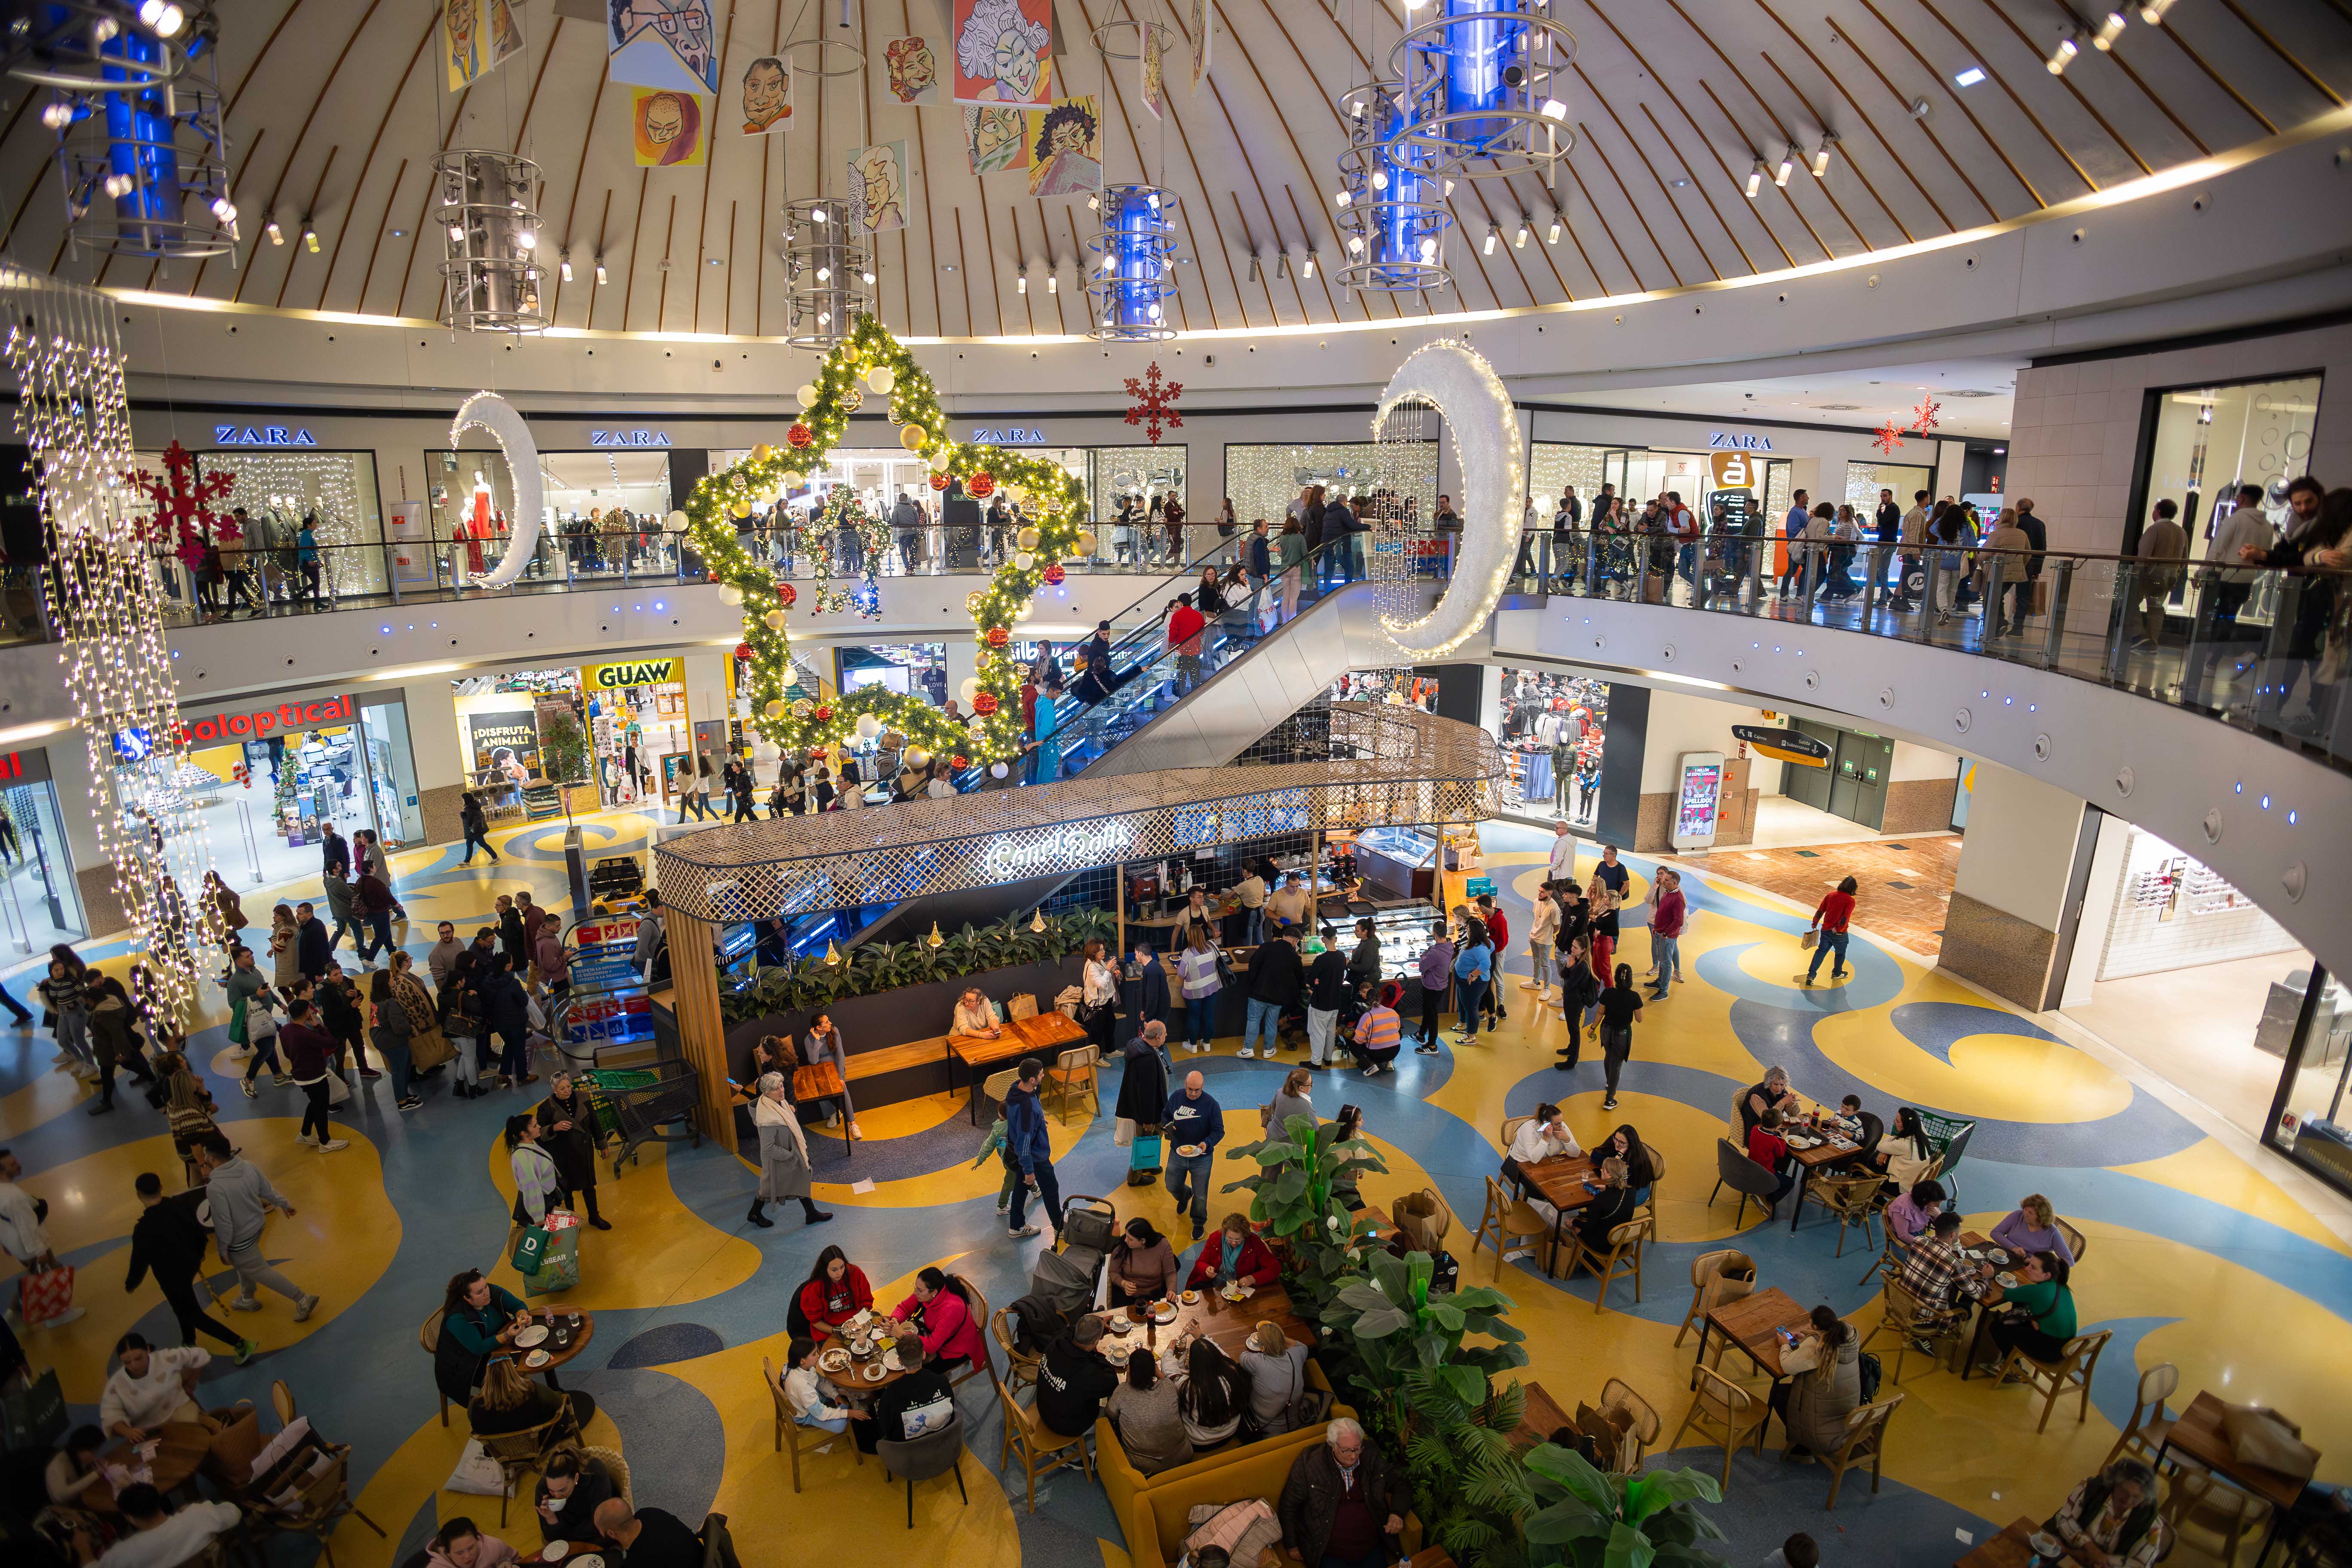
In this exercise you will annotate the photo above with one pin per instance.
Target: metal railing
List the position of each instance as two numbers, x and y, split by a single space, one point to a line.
2262 648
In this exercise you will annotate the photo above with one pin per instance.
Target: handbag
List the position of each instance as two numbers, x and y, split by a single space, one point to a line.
46 1295
531 1250
338 1091
1123 1132
477 1473
33 1414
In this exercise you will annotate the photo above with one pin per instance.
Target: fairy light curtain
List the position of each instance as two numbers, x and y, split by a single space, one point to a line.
99 584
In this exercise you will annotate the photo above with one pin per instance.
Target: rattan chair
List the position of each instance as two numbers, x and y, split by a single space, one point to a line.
2073 1369
520 1454
1624 1252
1865 1438
1072 1071
1042 1450
1899 1314
1724 1275
616 1470
281 1400
2076 1241
298 1499
788 1429
429 1336
1019 1366
1510 1218
1724 1412
1890 1257
920 1458
2211 1516
1641 1426
1851 1200
1510 1127
2145 1436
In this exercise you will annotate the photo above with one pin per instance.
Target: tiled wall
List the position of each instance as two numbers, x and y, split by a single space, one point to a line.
2070 445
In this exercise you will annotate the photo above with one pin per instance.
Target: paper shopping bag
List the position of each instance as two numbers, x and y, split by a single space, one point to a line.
47 1295
531 1250
34 1417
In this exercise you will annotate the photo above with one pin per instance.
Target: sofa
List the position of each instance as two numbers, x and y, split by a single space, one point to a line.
1157 1525
1123 1483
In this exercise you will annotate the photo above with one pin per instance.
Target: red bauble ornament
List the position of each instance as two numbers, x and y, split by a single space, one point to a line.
786 593
822 715
998 636
939 481
742 650
959 763
799 435
983 484
984 704
816 754
1055 573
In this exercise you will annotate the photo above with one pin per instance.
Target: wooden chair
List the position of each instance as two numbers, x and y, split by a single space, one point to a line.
1724 1275
2213 1517
1510 1219
2073 1369
1510 1129
2149 1424
1852 1200
1019 1368
1865 1438
920 1458
320 1497
1723 1412
1624 1250
1657 1160
788 1430
281 1400
520 1454
1889 1259
1899 1315
429 1336
980 1314
1042 1449
1641 1426
2076 1241
1074 1071
997 1085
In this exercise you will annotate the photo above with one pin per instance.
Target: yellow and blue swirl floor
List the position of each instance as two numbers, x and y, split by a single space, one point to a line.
2194 1256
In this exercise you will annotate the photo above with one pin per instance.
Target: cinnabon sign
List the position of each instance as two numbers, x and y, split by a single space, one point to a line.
263 721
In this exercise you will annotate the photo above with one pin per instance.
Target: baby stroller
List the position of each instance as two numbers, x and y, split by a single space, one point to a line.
1066 1279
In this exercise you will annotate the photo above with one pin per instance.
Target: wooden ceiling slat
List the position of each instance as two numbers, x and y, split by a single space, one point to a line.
1478 189
1241 149
1606 228
964 268
1700 186
987 236
669 246
1021 265
228 108
1307 73
530 100
726 307
2171 29
2283 53
2068 80
343 229
1868 123
1934 140
1664 191
636 229
1323 268
1984 59
2159 99
1936 75
595 289
1723 109
1540 221
294 253
391 195
1584 133
1052 271
930 218
1891 217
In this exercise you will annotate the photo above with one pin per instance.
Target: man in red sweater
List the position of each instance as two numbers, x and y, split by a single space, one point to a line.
1770 1150
1184 629
1831 919
1667 913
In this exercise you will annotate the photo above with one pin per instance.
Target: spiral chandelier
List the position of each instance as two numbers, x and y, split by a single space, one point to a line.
1131 269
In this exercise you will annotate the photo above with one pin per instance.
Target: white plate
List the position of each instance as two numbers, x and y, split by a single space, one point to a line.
533 1335
588 1560
2045 1543
833 1360
2005 1279
536 1359
1164 1311
873 1374
553 1551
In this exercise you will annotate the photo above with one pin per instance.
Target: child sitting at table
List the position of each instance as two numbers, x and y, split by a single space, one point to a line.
806 1392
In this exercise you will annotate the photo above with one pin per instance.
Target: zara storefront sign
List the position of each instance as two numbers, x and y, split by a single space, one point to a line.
1737 441
1008 435
1071 848
261 436
628 437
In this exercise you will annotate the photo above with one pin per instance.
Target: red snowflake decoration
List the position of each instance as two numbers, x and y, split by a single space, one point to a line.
1156 404
183 505
1922 419
1886 437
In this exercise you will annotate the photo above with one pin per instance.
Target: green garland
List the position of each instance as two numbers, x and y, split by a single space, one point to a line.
1056 533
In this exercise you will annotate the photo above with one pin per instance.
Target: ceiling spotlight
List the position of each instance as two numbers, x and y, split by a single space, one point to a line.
1520 235
1429 247
1494 236
600 273
1822 153
1380 179
2153 11
1253 268
1968 76
867 277
163 16
2109 30
1786 167
818 214
2064 55
118 185
57 115
527 238
565 269
1553 109
1919 107
1449 187
1020 284
310 239
1308 270
825 318
1355 245
1755 179
824 274
1341 199
1053 282
277 234
106 30
1551 235
456 232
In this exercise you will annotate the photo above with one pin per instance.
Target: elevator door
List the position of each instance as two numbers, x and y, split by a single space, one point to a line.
1811 785
1858 786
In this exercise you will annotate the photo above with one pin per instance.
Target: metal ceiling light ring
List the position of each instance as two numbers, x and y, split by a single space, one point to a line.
1391 213
1484 84
855 63
488 411
488 207
1478 413
825 273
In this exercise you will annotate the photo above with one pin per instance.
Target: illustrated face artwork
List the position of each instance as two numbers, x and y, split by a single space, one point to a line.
765 94
1016 66
913 70
460 15
665 119
995 136
683 24
999 50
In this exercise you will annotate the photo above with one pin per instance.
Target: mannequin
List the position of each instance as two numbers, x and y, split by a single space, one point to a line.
476 528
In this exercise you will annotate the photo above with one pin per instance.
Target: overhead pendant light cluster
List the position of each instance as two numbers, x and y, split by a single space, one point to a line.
1130 271
828 275
488 213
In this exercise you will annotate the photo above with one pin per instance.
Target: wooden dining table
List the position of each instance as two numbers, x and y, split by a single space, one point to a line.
1043 1037
2198 1433
851 1379
822 1080
557 1355
180 1448
2010 1549
1833 1148
1559 1183
1750 1324
1538 1420
1226 1324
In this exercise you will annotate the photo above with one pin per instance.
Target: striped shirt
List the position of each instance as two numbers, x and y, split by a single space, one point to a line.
1378 1030
1198 966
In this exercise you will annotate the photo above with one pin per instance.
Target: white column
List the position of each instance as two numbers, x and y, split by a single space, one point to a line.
964 664
433 746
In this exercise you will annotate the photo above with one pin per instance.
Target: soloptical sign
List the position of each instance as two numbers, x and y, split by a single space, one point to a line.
634 672
262 722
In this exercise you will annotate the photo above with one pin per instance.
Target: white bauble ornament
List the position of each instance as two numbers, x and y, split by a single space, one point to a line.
728 594
997 770
806 396
881 378
868 726
677 521
970 688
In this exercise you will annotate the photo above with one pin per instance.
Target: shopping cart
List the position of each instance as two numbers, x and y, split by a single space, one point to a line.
655 1102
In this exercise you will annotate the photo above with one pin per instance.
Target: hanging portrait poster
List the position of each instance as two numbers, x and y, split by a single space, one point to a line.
767 96
1204 27
877 188
995 139
667 44
501 30
1065 149
1155 70
1002 51
462 51
667 127
914 71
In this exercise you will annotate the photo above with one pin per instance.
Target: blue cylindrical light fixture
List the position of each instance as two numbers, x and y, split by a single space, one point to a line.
1129 273
1480 41
140 136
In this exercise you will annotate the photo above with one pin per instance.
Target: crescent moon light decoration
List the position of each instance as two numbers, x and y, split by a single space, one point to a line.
1476 408
488 411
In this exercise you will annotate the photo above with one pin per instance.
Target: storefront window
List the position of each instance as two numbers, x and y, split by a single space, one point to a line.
391 773
2211 439
916 668
43 903
2313 1026
640 735
1262 480
1865 480
1553 726
278 488
601 513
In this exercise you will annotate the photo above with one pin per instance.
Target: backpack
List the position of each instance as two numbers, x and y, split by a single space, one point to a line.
1035 1325
1866 1369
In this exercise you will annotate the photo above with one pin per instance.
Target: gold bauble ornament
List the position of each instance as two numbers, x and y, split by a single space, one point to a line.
775 707
740 508
803 708
1026 539
762 452
852 400
1085 543
971 602
775 619
793 479
912 437
881 378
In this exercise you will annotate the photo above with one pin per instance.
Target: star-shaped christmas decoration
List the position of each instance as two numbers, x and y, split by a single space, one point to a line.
1886 437
1922 419
183 505
1156 403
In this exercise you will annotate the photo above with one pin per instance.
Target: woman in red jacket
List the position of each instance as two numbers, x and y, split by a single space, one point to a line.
1250 1259
836 1291
942 1308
